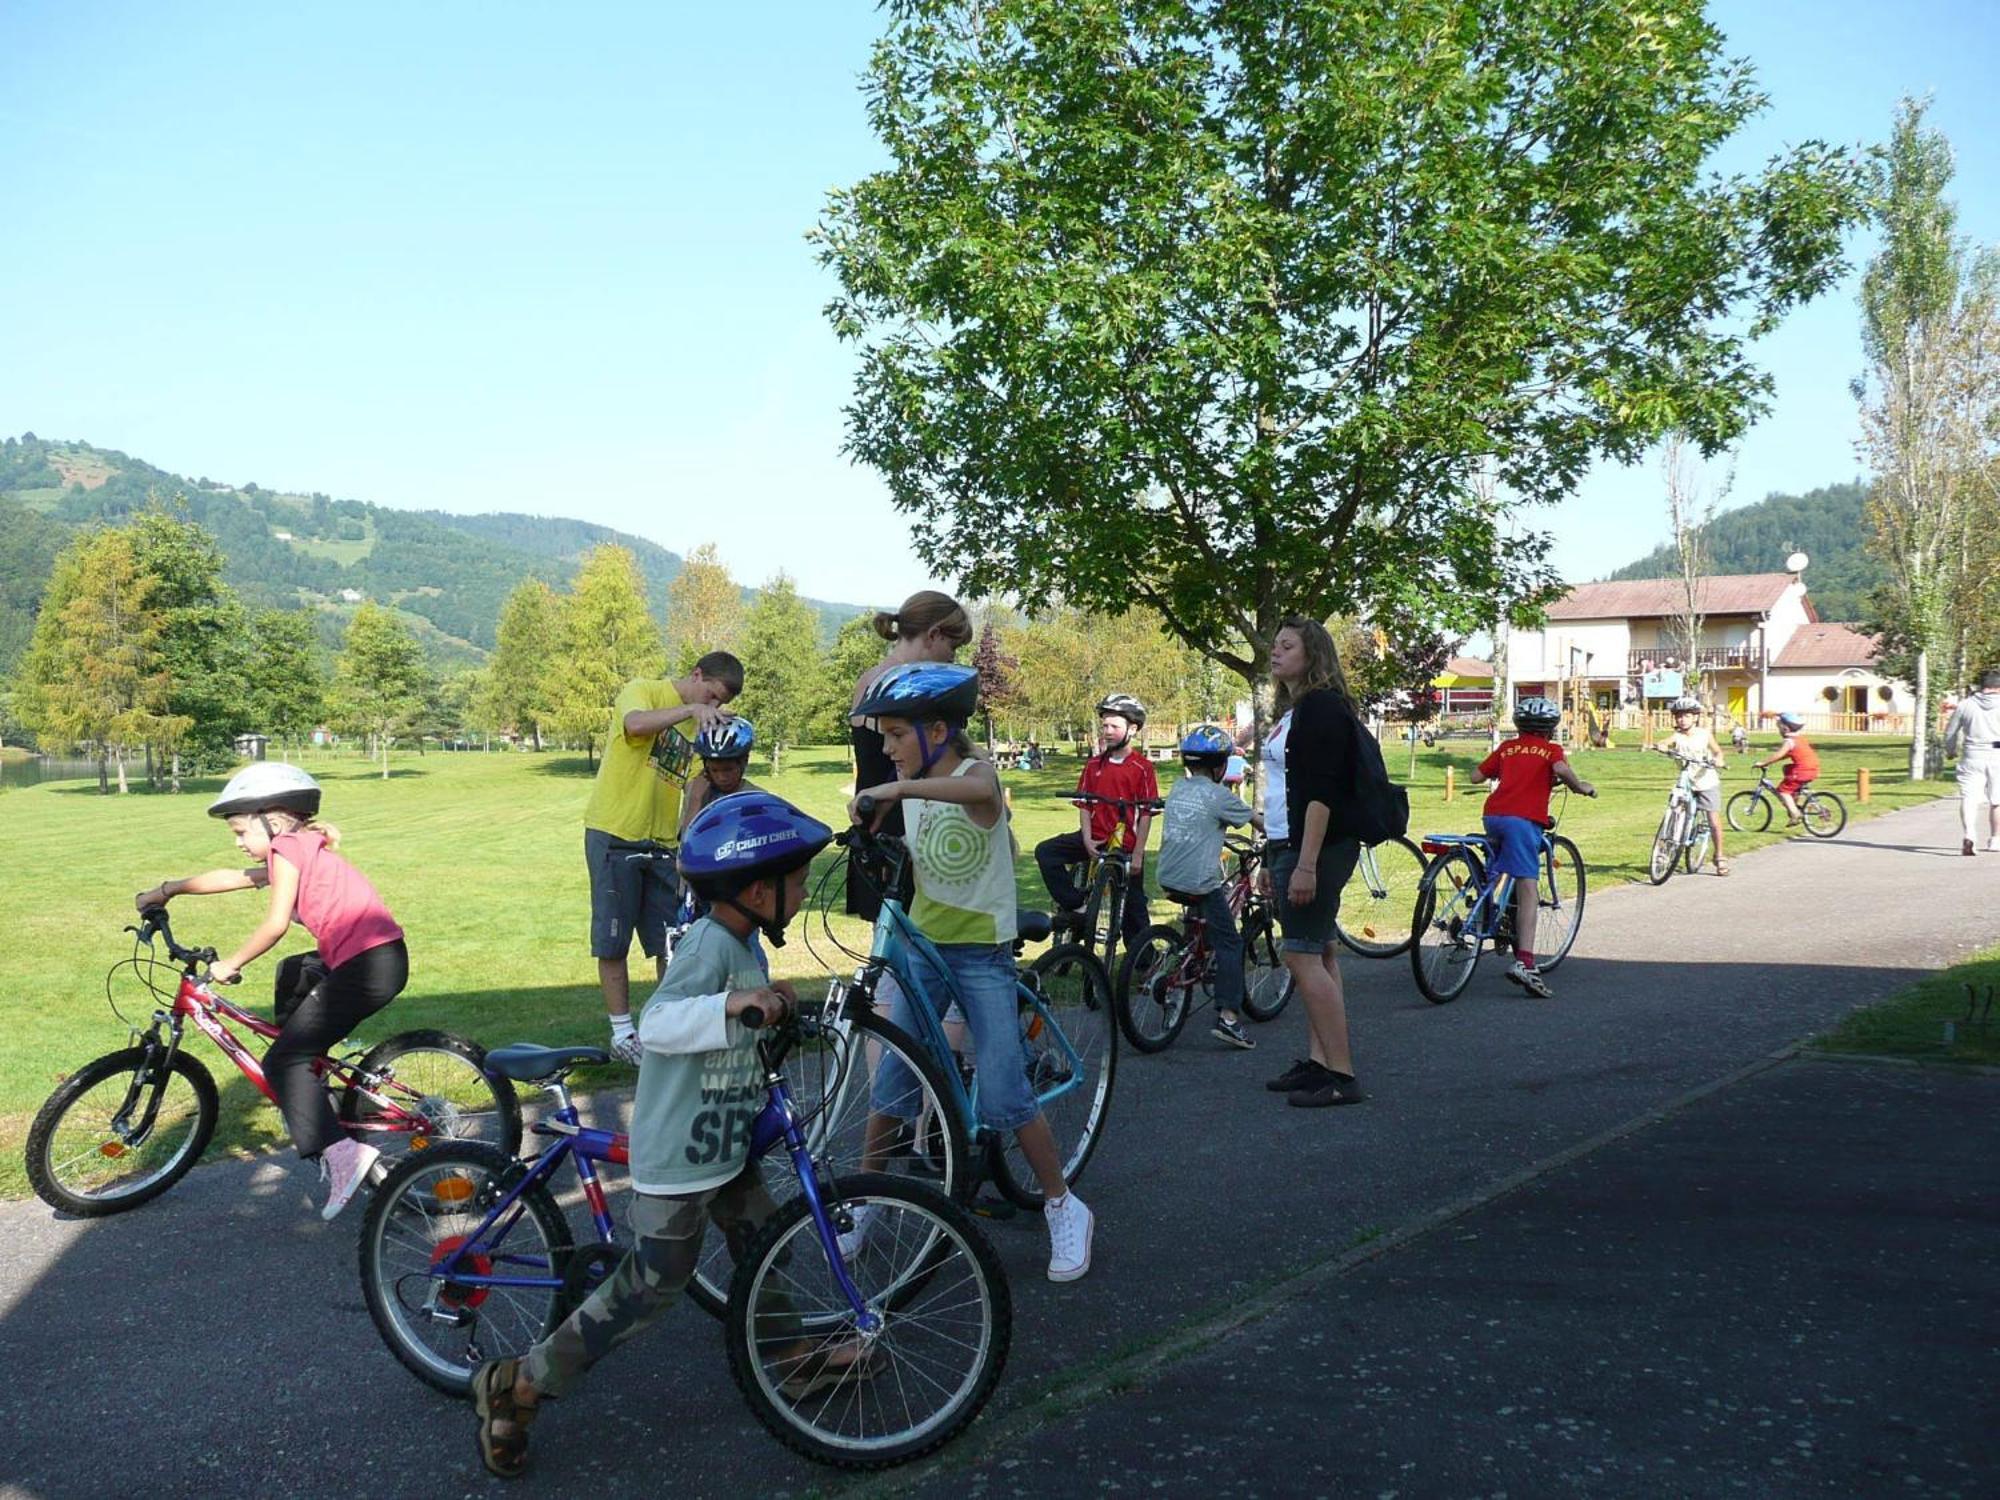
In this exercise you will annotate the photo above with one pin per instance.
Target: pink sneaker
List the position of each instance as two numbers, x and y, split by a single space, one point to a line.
345 1165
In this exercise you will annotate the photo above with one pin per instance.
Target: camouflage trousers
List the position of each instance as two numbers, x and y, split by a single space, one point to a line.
666 1248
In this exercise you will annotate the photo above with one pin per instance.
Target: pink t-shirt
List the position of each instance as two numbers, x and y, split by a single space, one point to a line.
336 903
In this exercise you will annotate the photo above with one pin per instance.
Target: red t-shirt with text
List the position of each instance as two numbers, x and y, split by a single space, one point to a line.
1526 769
1132 779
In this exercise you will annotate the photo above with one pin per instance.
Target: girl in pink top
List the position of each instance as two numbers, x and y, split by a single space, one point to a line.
272 809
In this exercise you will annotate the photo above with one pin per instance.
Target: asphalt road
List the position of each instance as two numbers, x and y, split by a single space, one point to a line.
215 1341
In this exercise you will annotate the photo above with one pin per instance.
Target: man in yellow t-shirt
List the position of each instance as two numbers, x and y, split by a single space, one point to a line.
632 821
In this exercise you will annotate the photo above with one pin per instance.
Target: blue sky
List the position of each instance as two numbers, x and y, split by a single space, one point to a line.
552 259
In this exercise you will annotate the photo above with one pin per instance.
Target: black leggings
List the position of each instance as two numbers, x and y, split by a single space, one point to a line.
338 1003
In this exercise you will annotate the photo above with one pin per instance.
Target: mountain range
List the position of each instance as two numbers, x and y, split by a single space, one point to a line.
287 550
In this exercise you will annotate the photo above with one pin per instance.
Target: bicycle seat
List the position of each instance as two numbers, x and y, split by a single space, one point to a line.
524 1062
1186 898
1033 926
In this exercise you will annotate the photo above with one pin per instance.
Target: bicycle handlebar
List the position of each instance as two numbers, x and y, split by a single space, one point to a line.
154 920
1130 804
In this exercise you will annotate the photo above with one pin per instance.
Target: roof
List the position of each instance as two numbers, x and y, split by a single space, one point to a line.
1467 666
1826 645
1654 598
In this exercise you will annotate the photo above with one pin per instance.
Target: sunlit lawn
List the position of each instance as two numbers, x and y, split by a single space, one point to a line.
481 858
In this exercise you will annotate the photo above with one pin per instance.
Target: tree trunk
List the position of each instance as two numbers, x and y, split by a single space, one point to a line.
383 740
1920 725
123 788
176 773
152 781
103 774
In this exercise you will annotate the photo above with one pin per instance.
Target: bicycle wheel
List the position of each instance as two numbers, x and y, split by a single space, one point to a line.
428 1207
1154 995
1379 899
1110 922
1700 843
1666 847
1748 811
1825 814
833 1083
1267 983
1559 904
79 1162
1444 948
441 1081
942 1323
1069 1043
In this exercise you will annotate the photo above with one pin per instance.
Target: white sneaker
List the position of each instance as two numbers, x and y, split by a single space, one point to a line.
1530 980
345 1165
851 1242
1993 846
1071 1224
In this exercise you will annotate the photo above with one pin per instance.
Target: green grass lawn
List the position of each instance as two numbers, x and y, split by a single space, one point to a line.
480 857
1912 1024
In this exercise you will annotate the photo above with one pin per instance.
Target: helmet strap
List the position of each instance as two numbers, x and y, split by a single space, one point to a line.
931 754
773 927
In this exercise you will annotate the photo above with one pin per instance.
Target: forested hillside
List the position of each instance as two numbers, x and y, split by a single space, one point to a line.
285 550
1826 524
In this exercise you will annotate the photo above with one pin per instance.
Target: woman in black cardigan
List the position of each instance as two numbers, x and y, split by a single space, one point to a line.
1309 871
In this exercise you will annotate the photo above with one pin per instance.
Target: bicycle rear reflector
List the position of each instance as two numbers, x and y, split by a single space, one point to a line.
112 1149
452 1189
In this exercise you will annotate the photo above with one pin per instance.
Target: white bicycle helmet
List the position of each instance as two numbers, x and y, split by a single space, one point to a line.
266 784
1685 705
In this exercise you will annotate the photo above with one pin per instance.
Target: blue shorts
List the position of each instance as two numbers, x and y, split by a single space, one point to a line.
1517 847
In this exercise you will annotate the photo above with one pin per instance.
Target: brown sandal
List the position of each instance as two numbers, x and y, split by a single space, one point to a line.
504 1454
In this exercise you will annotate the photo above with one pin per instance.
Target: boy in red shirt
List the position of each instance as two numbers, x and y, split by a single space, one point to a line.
1803 767
1526 769
1119 771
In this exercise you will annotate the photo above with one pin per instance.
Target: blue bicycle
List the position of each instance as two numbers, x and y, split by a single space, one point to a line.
1461 907
466 1256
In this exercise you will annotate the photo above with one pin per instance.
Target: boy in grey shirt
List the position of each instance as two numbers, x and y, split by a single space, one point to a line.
1198 809
700 1090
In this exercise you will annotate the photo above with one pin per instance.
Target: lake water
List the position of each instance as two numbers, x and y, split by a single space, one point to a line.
31 772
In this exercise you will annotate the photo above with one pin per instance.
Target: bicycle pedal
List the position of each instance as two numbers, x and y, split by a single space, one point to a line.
996 1209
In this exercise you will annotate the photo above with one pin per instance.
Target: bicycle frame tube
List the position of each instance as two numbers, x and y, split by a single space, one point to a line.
896 939
778 1121
202 1007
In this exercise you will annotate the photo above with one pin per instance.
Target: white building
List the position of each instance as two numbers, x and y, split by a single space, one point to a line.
1763 650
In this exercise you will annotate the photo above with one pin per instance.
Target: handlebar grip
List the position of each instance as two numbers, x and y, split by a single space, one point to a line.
866 805
752 1016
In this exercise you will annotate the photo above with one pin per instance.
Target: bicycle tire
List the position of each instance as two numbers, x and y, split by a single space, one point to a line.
1374 920
1152 1005
934 1144
1832 823
1554 913
1077 994
410 1223
925 1257
452 1091
1267 982
51 1156
1700 844
1666 848
1748 811
1441 957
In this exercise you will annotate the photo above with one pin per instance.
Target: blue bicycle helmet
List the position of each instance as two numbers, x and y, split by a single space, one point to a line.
924 692
1207 745
1791 721
745 837
732 739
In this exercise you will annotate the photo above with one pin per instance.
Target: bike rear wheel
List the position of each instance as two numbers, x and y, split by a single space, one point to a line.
1825 814
1444 950
79 1163
1666 847
428 1207
1267 983
944 1323
1559 910
1748 812
1072 1004
436 1089
833 1082
1379 899
1155 993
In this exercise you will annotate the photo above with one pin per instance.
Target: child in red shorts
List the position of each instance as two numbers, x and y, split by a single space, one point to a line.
1802 767
1526 769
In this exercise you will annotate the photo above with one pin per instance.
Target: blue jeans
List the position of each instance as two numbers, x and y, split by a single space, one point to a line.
984 974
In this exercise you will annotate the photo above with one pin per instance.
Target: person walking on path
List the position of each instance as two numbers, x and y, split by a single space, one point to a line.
631 825
1310 866
1974 737
930 627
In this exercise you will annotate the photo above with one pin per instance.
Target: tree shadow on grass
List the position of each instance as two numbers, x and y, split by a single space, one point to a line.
580 767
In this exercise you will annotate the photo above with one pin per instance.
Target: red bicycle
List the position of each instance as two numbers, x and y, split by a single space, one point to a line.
123 1129
1169 972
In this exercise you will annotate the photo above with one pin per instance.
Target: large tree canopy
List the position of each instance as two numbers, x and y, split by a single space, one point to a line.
1222 304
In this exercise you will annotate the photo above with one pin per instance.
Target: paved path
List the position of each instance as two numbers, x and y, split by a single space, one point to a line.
216 1340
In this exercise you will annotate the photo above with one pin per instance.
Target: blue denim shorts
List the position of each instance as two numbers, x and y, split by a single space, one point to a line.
984 974
1517 846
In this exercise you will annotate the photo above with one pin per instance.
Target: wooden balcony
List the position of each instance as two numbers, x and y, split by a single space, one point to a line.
1708 659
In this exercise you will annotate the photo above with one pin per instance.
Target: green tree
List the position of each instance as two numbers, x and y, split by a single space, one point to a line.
380 680
1221 308
517 677
284 678
856 647
204 640
784 674
997 671
93 676
704 609
605 639
1930 319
